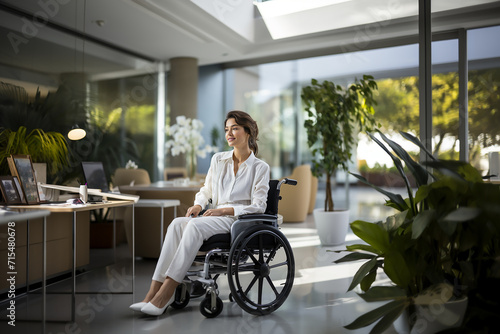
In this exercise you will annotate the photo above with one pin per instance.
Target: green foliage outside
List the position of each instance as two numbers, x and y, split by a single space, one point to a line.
398 110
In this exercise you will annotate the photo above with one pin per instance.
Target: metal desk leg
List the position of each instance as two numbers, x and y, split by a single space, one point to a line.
44 272
133 251
114 235
27 256
73 289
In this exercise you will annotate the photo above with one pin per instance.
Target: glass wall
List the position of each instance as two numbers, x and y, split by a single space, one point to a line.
52 80
275 99
125 116
484 95
271 93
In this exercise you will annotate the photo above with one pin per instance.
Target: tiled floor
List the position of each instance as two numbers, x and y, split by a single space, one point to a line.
318 302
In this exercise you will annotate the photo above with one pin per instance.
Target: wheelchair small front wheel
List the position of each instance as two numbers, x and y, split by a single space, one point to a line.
261 269
206 307
182 297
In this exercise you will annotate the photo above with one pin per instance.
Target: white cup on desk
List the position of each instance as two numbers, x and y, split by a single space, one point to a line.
83 193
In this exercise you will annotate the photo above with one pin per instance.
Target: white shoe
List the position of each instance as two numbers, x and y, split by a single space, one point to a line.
137 306
156 311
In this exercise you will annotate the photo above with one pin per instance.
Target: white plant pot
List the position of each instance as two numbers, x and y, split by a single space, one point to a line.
433 318
332 226
438 317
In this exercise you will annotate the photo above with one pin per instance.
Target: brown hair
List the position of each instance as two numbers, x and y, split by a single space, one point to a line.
250 126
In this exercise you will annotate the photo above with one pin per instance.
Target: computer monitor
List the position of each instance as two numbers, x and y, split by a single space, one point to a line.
95 176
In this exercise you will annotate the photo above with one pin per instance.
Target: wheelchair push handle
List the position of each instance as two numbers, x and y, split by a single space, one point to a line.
291 182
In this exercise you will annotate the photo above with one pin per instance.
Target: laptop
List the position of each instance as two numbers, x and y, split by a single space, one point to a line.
93 172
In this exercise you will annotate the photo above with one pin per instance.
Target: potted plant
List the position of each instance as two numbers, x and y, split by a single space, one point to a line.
334 118
185 137
47 147
441 250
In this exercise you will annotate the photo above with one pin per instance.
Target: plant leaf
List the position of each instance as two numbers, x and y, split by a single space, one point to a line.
462 214
368 280
421 222
396 269
399 166
422 193
382 293
447 226
361 247
372 316
362 272
417 142
447 167
421 174
355 257
395 198
395 221
373 234
387 320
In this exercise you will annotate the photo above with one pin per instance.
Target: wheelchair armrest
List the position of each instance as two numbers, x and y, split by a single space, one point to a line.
257 216
244 221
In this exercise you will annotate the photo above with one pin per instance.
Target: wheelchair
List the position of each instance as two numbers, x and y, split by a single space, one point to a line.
255 256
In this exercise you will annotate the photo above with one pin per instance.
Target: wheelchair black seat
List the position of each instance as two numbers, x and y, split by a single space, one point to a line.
217 241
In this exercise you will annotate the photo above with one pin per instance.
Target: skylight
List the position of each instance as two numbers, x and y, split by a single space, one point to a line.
283 7
290 18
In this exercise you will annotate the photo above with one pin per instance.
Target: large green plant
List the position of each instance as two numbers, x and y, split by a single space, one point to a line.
446 237
48 147
37 126
334 117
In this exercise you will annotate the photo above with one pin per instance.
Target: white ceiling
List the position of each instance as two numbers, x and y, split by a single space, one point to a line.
158 30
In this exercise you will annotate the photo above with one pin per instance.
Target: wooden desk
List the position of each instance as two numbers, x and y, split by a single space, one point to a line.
72 208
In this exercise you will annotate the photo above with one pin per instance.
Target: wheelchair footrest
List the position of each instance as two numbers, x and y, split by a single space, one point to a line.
206 281
196 267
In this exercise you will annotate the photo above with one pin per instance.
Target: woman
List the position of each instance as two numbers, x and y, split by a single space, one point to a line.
237 182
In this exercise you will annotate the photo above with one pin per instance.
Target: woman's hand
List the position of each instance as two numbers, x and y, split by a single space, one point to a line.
193 211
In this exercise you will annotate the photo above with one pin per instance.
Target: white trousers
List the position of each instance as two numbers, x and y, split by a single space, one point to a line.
183 239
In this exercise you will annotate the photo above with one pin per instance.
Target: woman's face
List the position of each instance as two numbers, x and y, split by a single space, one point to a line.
235 134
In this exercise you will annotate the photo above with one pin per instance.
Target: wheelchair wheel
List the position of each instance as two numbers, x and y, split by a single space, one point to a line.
206 307
261 270
181 297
